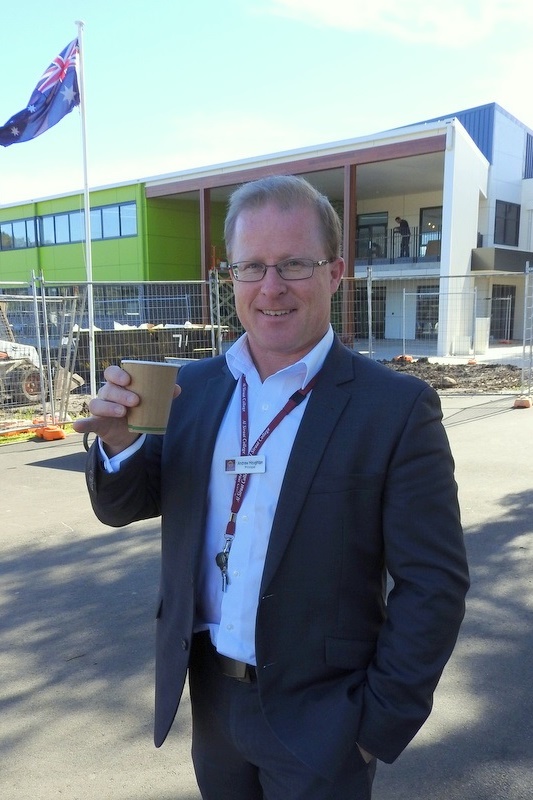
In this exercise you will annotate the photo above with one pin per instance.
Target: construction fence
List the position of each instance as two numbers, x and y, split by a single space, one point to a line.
50 355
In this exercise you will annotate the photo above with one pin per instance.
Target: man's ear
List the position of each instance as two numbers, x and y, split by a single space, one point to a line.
337 269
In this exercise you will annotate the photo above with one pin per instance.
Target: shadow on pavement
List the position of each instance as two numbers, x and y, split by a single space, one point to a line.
479 744
76 697
71 461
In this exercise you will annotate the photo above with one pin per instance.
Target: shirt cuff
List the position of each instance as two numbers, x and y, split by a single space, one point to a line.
112 465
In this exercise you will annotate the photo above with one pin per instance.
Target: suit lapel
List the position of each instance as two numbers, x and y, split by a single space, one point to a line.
209 412
212 401
326 403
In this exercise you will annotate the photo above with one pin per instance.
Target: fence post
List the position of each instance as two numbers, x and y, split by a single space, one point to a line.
214 311
403 321
38 339
527 334
369 309
48 355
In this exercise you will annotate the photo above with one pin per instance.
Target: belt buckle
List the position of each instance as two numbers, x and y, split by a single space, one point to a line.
234 669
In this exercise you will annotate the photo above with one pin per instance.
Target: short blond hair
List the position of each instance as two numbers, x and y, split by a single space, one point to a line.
286 192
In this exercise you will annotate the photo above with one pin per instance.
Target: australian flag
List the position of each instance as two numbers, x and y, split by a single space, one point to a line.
55 95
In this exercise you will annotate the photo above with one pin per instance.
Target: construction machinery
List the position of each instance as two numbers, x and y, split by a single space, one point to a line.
21 377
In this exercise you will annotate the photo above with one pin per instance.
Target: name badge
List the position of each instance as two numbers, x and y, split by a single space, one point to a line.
245 465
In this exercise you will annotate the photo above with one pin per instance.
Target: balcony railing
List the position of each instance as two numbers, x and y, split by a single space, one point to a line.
392 248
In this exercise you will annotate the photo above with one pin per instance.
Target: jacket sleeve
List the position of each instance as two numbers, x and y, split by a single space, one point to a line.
132 493
428 576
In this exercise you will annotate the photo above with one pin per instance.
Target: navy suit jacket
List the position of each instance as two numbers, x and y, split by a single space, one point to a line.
368 488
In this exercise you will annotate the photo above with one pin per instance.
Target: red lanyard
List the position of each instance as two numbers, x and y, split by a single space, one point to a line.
241 479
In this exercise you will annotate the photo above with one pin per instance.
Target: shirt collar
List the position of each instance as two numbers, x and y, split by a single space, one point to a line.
240 362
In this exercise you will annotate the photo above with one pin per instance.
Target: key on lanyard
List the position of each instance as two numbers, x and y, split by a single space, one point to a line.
221 560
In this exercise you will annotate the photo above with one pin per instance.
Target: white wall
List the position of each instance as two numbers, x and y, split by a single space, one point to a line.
525 241
407 206
465 180
507 169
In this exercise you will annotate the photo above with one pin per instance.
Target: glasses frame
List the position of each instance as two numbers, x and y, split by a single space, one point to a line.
234 268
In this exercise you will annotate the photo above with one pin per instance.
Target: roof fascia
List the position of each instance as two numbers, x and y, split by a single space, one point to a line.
382 148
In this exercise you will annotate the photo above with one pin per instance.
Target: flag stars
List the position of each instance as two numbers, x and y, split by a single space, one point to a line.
69 94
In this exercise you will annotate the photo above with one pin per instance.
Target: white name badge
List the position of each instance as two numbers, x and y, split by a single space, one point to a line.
245 465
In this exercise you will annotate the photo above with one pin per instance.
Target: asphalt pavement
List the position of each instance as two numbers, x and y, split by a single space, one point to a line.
77 604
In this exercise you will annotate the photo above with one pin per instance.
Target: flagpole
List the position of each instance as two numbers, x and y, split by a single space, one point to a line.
87 214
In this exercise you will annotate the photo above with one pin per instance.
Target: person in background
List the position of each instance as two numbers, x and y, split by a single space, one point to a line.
405 236
303 670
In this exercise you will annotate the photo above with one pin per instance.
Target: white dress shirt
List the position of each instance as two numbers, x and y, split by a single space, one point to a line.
230 615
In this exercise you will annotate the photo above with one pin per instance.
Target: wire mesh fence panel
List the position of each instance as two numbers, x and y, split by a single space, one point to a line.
527 356
47 343
425 316
20 355
46 339
228 314
150 322
36 355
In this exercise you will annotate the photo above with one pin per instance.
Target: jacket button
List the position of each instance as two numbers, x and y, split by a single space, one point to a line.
184 644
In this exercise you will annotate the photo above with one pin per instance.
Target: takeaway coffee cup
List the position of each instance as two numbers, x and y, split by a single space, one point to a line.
154 382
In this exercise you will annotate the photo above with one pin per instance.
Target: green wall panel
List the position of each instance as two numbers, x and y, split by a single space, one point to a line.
167 245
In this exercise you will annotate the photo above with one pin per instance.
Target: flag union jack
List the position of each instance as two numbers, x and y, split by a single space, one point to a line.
55 95
59 67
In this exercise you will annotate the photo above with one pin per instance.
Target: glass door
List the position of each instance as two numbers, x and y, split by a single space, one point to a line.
430 231
372 235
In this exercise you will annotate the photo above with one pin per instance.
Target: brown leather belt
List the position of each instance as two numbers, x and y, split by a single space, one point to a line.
239 670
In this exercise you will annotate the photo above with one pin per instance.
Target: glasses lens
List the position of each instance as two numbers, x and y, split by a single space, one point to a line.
294 269
248 271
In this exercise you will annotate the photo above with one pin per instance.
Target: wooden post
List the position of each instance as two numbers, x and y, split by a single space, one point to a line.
348 248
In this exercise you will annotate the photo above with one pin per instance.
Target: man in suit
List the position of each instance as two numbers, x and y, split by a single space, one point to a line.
302 670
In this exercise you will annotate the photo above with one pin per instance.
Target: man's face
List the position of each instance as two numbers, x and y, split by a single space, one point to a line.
284 319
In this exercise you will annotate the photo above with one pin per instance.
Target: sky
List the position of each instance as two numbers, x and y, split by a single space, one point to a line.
173 85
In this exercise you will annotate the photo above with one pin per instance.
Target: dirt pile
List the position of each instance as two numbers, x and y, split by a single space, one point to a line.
473 378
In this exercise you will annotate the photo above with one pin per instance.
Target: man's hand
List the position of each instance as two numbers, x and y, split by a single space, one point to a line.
109 410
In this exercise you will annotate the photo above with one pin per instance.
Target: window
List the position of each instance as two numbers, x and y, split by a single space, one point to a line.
528 162
128 219
507 223
31 232
430 230
77 226
110 222
502 312
96 223
48 235
372 235
62 229
107 222
19 234
427 311
6 235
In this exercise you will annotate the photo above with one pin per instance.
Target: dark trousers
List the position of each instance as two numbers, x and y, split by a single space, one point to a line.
404 247
236 755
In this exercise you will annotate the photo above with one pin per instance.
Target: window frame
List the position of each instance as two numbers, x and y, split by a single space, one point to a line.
506 226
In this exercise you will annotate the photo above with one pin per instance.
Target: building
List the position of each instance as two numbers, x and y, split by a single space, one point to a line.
463 183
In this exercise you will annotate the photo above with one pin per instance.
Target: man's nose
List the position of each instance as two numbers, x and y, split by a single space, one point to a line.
272 280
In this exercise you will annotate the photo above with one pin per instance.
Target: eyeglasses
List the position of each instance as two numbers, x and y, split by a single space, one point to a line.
290 269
